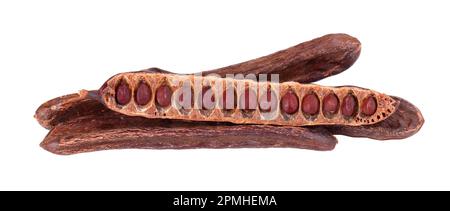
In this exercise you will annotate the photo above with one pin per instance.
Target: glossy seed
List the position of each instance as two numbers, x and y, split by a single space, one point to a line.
310 104
349 106
123 93
208 98
186 105
369 106
248 100
163 95
143 94
289 103
330 104
231 103
266 103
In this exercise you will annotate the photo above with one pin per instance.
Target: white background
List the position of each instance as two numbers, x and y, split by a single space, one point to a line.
51 48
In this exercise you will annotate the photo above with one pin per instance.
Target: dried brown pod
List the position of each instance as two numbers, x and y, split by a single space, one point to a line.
304 63
98 128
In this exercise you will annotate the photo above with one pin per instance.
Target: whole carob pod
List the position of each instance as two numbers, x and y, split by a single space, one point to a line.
153 109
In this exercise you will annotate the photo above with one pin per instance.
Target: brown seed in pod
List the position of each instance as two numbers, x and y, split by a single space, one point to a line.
163 95
248 100
289 102
229 99
143 94
267 101
310 104
208 98
330 105
189 99
349 105
369 106
123 93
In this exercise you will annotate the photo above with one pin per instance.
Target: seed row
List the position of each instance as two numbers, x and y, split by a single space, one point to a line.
161 95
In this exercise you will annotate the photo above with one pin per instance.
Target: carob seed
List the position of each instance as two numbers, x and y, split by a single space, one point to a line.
330 104
349 105
369 106
310 104
266 102
208 98
248 100
123 93
228 104
289 103
163 95
143 94
187 104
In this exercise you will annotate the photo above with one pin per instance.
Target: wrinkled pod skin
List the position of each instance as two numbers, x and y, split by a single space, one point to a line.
98 128
304 63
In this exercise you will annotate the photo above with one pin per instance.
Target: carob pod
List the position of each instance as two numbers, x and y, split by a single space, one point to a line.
66 108
299 104
97 128
112 130
305 63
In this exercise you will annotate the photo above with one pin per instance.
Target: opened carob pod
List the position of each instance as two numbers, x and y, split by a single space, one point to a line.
300 104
